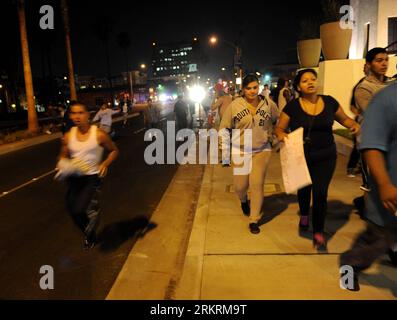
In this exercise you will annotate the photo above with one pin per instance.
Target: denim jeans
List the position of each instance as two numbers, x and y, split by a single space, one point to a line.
82 202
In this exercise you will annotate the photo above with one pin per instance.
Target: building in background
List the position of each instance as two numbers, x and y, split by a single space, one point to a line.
375 25
94 91
176 61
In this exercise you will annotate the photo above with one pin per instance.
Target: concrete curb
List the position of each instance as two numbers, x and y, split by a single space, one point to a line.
154 265
189 287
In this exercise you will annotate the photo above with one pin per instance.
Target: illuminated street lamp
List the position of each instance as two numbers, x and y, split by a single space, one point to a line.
143 66
223 69
237 55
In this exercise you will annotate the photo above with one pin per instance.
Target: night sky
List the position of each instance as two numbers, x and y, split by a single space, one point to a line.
268 31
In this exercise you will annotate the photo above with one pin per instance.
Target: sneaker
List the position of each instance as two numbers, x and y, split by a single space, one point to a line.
351 173
365 188
254 228
319 242
304 223
245 206
89 242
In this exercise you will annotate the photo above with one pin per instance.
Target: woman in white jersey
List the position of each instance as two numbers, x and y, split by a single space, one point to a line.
256 115
83 147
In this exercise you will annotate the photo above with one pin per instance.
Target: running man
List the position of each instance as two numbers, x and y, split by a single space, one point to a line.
80 161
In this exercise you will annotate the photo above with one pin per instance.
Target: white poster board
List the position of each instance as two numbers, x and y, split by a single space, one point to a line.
293 163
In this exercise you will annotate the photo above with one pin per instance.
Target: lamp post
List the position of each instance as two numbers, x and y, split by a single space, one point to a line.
237 57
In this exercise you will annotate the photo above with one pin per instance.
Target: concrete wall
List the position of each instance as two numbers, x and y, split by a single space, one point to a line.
387 9
377 13
364 11
338 77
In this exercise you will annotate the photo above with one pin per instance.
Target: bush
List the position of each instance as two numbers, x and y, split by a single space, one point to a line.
309 29
331 10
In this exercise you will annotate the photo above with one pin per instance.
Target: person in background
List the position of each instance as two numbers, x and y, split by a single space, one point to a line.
153 114
284 96
181 110
104 116
219 105
377 62
354 158
276 91
266 91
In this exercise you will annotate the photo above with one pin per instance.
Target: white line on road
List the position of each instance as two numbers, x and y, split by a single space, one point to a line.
140 130
26 183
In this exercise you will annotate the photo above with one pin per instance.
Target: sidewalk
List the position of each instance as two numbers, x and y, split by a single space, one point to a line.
225 261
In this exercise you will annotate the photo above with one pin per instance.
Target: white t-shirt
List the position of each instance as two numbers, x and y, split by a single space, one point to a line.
282 102
105 116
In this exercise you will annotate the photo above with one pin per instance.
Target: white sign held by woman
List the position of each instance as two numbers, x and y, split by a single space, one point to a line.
293 163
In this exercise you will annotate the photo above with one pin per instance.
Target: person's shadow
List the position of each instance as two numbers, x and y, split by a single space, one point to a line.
274 205
114 235
381 280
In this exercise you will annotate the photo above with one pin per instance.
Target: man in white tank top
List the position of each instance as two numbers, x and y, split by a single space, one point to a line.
82 150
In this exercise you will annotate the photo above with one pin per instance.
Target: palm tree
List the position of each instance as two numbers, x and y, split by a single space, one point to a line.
103 28
65 18
124 42
33 124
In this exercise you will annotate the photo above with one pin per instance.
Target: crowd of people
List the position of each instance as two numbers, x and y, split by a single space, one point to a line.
374 129
270 117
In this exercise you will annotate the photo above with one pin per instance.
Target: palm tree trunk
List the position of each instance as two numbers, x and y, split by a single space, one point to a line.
33 125
65 17
109 71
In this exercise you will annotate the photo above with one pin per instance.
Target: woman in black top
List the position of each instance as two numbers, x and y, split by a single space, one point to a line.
316 114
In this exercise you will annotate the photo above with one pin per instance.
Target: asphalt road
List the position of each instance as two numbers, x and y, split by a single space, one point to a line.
35 229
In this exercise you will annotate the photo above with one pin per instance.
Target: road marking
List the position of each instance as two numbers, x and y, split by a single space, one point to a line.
27 183
140 130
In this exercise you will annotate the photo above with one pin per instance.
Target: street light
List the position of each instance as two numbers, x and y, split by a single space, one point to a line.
213 40
143 66
223 69
237 55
